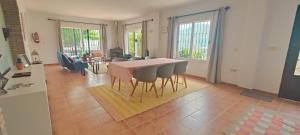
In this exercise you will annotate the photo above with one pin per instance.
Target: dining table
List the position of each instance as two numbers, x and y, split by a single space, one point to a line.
123 71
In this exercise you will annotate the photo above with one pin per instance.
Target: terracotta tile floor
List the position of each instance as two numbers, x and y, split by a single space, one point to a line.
209 111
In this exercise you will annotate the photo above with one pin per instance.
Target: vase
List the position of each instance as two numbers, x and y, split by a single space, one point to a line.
20 66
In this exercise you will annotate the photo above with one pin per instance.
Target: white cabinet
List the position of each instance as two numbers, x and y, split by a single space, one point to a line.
26 110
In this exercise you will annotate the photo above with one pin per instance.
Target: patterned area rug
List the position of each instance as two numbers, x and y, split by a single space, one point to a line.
260 121
121 109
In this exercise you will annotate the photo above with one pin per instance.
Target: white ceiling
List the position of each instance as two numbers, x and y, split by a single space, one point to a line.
102 9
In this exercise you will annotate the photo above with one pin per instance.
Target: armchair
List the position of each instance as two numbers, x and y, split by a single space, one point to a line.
76 66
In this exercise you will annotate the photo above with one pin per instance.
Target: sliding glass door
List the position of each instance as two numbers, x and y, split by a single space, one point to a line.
77 41
134 43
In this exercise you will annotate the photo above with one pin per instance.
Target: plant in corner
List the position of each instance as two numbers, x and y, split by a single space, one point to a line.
85 56
19 64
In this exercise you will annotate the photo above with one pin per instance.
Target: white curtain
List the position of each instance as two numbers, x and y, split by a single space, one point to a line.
104 39
59 36
123 38
144 39
171 32
214 65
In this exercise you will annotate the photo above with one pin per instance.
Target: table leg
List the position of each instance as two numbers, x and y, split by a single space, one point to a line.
113 82
93 65
126 90
119 84
97 68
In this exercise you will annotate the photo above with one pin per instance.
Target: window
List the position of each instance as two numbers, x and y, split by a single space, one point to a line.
134 44
76 41
193 39
297 69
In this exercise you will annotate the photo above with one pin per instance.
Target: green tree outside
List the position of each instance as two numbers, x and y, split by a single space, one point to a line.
72 38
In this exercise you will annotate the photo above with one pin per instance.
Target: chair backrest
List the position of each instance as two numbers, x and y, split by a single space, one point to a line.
62 59
180 67
145 74
166 70
65 60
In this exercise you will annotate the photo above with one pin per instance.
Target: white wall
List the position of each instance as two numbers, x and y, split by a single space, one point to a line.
255 42
6 60
24 26
273 50
49 43
240 28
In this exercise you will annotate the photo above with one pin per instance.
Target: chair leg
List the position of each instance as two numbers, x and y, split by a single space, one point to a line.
172 83
153 84
174 79
132 83
151 88
136 83
119 84
184 79
166 82
146 87
162 86
162 82
142 93
176 82
113 82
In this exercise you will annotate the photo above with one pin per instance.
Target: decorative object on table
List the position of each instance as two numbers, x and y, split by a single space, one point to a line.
35 57
20 85
35 37
127 56
23 74
19 64
5 33
261 121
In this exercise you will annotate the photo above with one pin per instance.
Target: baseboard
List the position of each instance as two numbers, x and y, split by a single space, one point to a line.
195 77
53 64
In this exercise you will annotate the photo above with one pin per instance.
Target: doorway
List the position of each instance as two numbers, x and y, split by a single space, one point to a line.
290 84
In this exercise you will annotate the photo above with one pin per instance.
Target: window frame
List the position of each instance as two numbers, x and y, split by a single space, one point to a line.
136 49
81 42
195 19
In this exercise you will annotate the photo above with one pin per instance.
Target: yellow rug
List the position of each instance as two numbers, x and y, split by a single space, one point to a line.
120 108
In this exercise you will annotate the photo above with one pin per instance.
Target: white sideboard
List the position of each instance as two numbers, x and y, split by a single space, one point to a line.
26 110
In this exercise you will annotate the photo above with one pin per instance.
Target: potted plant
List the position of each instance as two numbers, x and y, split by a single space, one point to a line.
19 64
85 56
